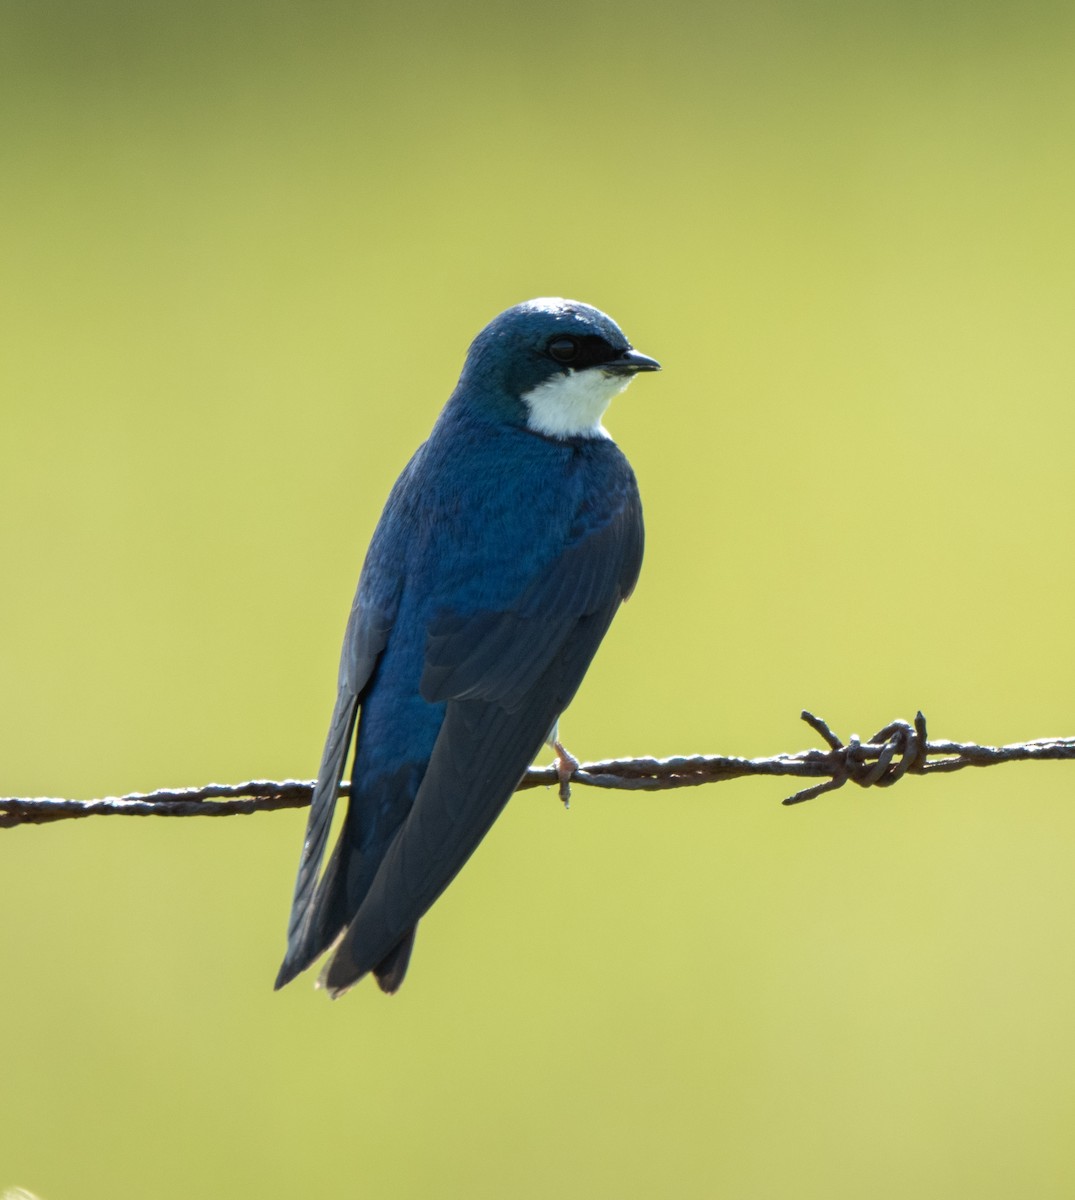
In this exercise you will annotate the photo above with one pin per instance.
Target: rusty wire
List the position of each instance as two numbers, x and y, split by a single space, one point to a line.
900 748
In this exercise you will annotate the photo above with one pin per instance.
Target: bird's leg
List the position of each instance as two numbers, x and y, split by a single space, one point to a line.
566 766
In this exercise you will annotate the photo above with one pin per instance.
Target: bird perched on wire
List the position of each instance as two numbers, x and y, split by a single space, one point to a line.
505 549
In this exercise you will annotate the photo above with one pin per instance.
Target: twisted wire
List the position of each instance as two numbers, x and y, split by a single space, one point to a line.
898 749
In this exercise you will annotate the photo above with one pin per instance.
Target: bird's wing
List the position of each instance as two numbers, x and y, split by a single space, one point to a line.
367 634
506 677
499 656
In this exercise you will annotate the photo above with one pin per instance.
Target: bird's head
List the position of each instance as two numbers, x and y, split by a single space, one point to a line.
551 364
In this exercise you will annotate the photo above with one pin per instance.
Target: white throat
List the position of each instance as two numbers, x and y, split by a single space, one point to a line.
572 404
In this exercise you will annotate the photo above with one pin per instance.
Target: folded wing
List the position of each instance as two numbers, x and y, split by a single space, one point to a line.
505 676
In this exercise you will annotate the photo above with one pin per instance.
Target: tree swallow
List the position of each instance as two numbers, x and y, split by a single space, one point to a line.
503 553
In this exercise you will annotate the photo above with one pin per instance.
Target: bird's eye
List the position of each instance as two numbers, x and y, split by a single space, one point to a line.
563 349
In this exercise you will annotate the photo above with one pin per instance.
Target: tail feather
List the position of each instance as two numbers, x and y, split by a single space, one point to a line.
389 972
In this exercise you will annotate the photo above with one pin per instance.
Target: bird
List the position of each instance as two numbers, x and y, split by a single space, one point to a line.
503 552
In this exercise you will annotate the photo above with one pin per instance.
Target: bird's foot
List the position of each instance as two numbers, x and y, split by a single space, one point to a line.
566 766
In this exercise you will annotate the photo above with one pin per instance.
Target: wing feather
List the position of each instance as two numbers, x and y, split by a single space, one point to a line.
480 756
365 639
498 656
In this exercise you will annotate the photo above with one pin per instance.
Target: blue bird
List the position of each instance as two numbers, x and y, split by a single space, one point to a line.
505 549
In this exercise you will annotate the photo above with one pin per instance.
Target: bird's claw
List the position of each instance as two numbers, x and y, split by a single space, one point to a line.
566 766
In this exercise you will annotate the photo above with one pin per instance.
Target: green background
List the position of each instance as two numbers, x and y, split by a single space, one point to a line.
244 248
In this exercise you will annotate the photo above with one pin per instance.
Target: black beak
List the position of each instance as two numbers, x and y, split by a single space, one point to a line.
630 362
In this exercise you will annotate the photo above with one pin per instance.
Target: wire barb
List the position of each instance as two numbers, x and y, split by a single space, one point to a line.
897 749
869 764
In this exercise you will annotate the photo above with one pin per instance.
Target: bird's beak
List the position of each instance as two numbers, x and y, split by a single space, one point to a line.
630 362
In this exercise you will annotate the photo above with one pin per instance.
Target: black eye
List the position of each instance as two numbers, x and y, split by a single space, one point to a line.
563 349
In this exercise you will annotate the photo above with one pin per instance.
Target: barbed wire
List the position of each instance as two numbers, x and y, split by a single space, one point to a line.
900 748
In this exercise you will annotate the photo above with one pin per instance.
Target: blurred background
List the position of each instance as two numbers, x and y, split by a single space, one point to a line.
244 249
